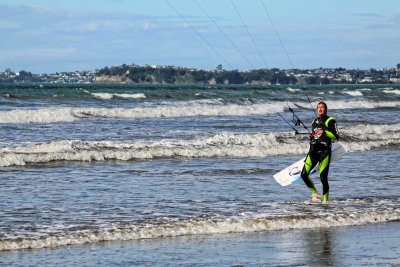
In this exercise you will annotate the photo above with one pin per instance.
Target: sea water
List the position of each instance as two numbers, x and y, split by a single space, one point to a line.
182 175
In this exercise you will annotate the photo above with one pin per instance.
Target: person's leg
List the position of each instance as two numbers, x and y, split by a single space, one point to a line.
324 169
309 164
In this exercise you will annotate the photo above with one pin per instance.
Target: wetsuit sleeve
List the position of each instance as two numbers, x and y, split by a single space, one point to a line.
331 131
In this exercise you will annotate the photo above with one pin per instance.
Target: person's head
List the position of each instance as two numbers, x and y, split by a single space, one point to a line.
322 109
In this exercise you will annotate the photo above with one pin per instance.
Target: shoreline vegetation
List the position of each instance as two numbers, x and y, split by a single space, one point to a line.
182 75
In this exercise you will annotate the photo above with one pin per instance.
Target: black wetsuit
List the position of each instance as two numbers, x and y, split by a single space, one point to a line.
320 152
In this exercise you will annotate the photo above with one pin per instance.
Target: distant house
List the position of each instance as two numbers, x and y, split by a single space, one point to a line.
346 77
394 80
366 80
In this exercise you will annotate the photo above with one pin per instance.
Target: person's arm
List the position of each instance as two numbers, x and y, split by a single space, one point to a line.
332 131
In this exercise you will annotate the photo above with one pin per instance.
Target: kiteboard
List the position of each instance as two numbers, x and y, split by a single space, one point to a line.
292 174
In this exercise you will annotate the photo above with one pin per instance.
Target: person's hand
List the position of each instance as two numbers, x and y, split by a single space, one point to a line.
319 132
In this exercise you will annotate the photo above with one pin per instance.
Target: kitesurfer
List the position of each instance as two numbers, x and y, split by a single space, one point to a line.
324 131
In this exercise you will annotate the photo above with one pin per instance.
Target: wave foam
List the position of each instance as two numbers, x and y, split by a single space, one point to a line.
221 145
51 115
358 138
340 215
43 115
170 110
392 91
353 93
359 104
113 95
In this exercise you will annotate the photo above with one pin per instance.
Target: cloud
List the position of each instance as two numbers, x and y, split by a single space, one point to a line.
36 37
39 39
31 18
369 15
41 54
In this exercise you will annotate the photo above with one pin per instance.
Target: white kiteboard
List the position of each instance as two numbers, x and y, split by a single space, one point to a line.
292 174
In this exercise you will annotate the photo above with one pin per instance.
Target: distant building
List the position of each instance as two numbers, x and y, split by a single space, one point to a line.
366 80
394 80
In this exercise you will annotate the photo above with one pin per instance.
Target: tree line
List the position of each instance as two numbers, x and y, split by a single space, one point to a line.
172 74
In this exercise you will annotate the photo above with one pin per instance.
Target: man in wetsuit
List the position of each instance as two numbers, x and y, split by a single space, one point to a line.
324 131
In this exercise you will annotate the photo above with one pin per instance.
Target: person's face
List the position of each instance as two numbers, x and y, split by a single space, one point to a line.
321 110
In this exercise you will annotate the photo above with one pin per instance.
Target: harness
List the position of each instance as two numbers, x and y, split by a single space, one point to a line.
321 140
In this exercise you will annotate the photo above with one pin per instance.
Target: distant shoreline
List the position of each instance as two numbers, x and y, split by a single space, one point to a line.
134 74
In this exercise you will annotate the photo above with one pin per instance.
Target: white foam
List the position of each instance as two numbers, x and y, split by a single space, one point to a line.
357 138
371 136
181 111
110 95
293 90
214 107
51 115
138 95
238 224
102 95
353 93
43 115
359 104
221 145
392 91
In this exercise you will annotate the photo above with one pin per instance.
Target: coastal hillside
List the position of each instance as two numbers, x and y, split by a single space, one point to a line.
182 75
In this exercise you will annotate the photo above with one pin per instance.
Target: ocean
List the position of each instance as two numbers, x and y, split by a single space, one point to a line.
167 175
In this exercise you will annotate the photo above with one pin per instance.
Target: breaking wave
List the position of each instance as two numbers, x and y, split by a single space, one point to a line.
294 215
115 95
179 109
391 91
357 138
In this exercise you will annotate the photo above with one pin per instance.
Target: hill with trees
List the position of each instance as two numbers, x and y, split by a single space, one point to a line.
172 74
179 75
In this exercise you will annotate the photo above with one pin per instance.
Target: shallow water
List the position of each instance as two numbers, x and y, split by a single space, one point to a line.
368 245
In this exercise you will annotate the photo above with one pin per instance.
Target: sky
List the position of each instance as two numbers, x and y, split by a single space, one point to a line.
47 36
